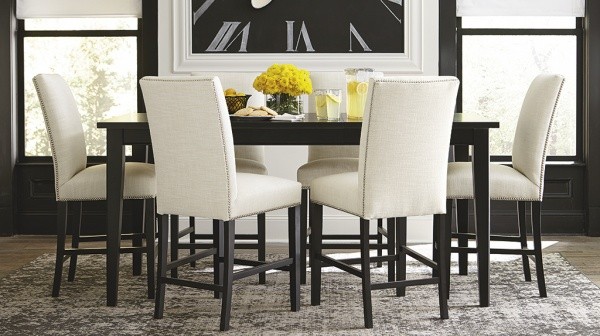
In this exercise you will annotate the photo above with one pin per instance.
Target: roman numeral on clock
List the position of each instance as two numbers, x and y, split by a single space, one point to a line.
302 35
225 37
361 41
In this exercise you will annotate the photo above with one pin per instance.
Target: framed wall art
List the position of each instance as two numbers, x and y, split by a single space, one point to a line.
321 35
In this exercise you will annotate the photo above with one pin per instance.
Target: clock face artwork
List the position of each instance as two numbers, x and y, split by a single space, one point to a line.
297 26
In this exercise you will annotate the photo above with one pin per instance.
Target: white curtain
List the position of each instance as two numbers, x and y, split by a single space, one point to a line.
574 8
29 9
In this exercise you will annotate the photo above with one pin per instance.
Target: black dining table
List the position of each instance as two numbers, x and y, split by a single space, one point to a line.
132 129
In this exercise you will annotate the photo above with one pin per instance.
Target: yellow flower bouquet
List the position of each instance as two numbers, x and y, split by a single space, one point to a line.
283 84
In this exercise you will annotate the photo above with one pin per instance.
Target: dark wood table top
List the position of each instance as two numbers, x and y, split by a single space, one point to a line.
140 121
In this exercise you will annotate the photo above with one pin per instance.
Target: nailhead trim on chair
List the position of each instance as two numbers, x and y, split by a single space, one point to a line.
263 211
92 199
225 157
468 197
340 209
51 138
543 168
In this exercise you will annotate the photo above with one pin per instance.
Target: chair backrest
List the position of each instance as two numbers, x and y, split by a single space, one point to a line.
193 146
533 127
254 153
331 152
329 80
404 146
65 130
242 81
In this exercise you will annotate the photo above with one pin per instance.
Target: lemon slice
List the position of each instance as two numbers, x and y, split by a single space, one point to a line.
352 87
320 100
334 98
362 88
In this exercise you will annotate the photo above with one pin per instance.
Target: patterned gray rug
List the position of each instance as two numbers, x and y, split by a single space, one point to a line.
26 308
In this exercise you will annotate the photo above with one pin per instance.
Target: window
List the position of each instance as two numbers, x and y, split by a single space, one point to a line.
498 59
97 56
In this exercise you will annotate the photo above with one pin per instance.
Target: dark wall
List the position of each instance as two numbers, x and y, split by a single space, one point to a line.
7 116
447 35
592 136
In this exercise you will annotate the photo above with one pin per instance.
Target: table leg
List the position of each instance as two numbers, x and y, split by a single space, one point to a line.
481 191
115 170
461 154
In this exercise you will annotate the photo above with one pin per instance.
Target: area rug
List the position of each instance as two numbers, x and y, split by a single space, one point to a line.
26 308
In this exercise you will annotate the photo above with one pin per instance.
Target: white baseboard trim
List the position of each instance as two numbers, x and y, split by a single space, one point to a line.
420 229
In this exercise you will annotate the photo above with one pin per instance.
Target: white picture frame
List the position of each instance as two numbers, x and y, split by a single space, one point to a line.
412 61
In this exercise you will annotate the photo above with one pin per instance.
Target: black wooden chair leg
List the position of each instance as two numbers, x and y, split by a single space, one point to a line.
174 242
218 241
303 234
391 248
448 238
294 253
444 233
137 241
436 244
536 214
316 239
379 241
462 226
150 230
262 245
163 236
193 239
523 235
401 261
228 246
61 233
365 261
75 240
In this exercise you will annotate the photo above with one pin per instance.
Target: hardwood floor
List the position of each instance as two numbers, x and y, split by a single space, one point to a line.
582 252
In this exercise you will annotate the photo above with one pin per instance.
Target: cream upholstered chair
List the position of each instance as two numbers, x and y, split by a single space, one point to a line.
248 159
524 181
196 176
404 146
75 183
328 160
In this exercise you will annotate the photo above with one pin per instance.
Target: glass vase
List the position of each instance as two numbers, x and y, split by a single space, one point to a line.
284 103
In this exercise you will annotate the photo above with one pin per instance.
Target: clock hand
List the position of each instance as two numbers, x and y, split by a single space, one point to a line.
258 4
388 8
198 13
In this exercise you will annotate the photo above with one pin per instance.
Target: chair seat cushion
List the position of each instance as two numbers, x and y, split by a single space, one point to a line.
250 167
90 183
339 191
506 183
323 167
262 193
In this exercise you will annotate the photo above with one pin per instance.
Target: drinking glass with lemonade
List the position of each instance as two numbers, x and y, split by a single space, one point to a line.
328 103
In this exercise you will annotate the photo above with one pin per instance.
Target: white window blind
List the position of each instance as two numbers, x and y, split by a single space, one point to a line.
30 9
575 8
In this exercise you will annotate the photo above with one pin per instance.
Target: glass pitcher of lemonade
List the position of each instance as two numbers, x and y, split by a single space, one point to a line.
357 84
